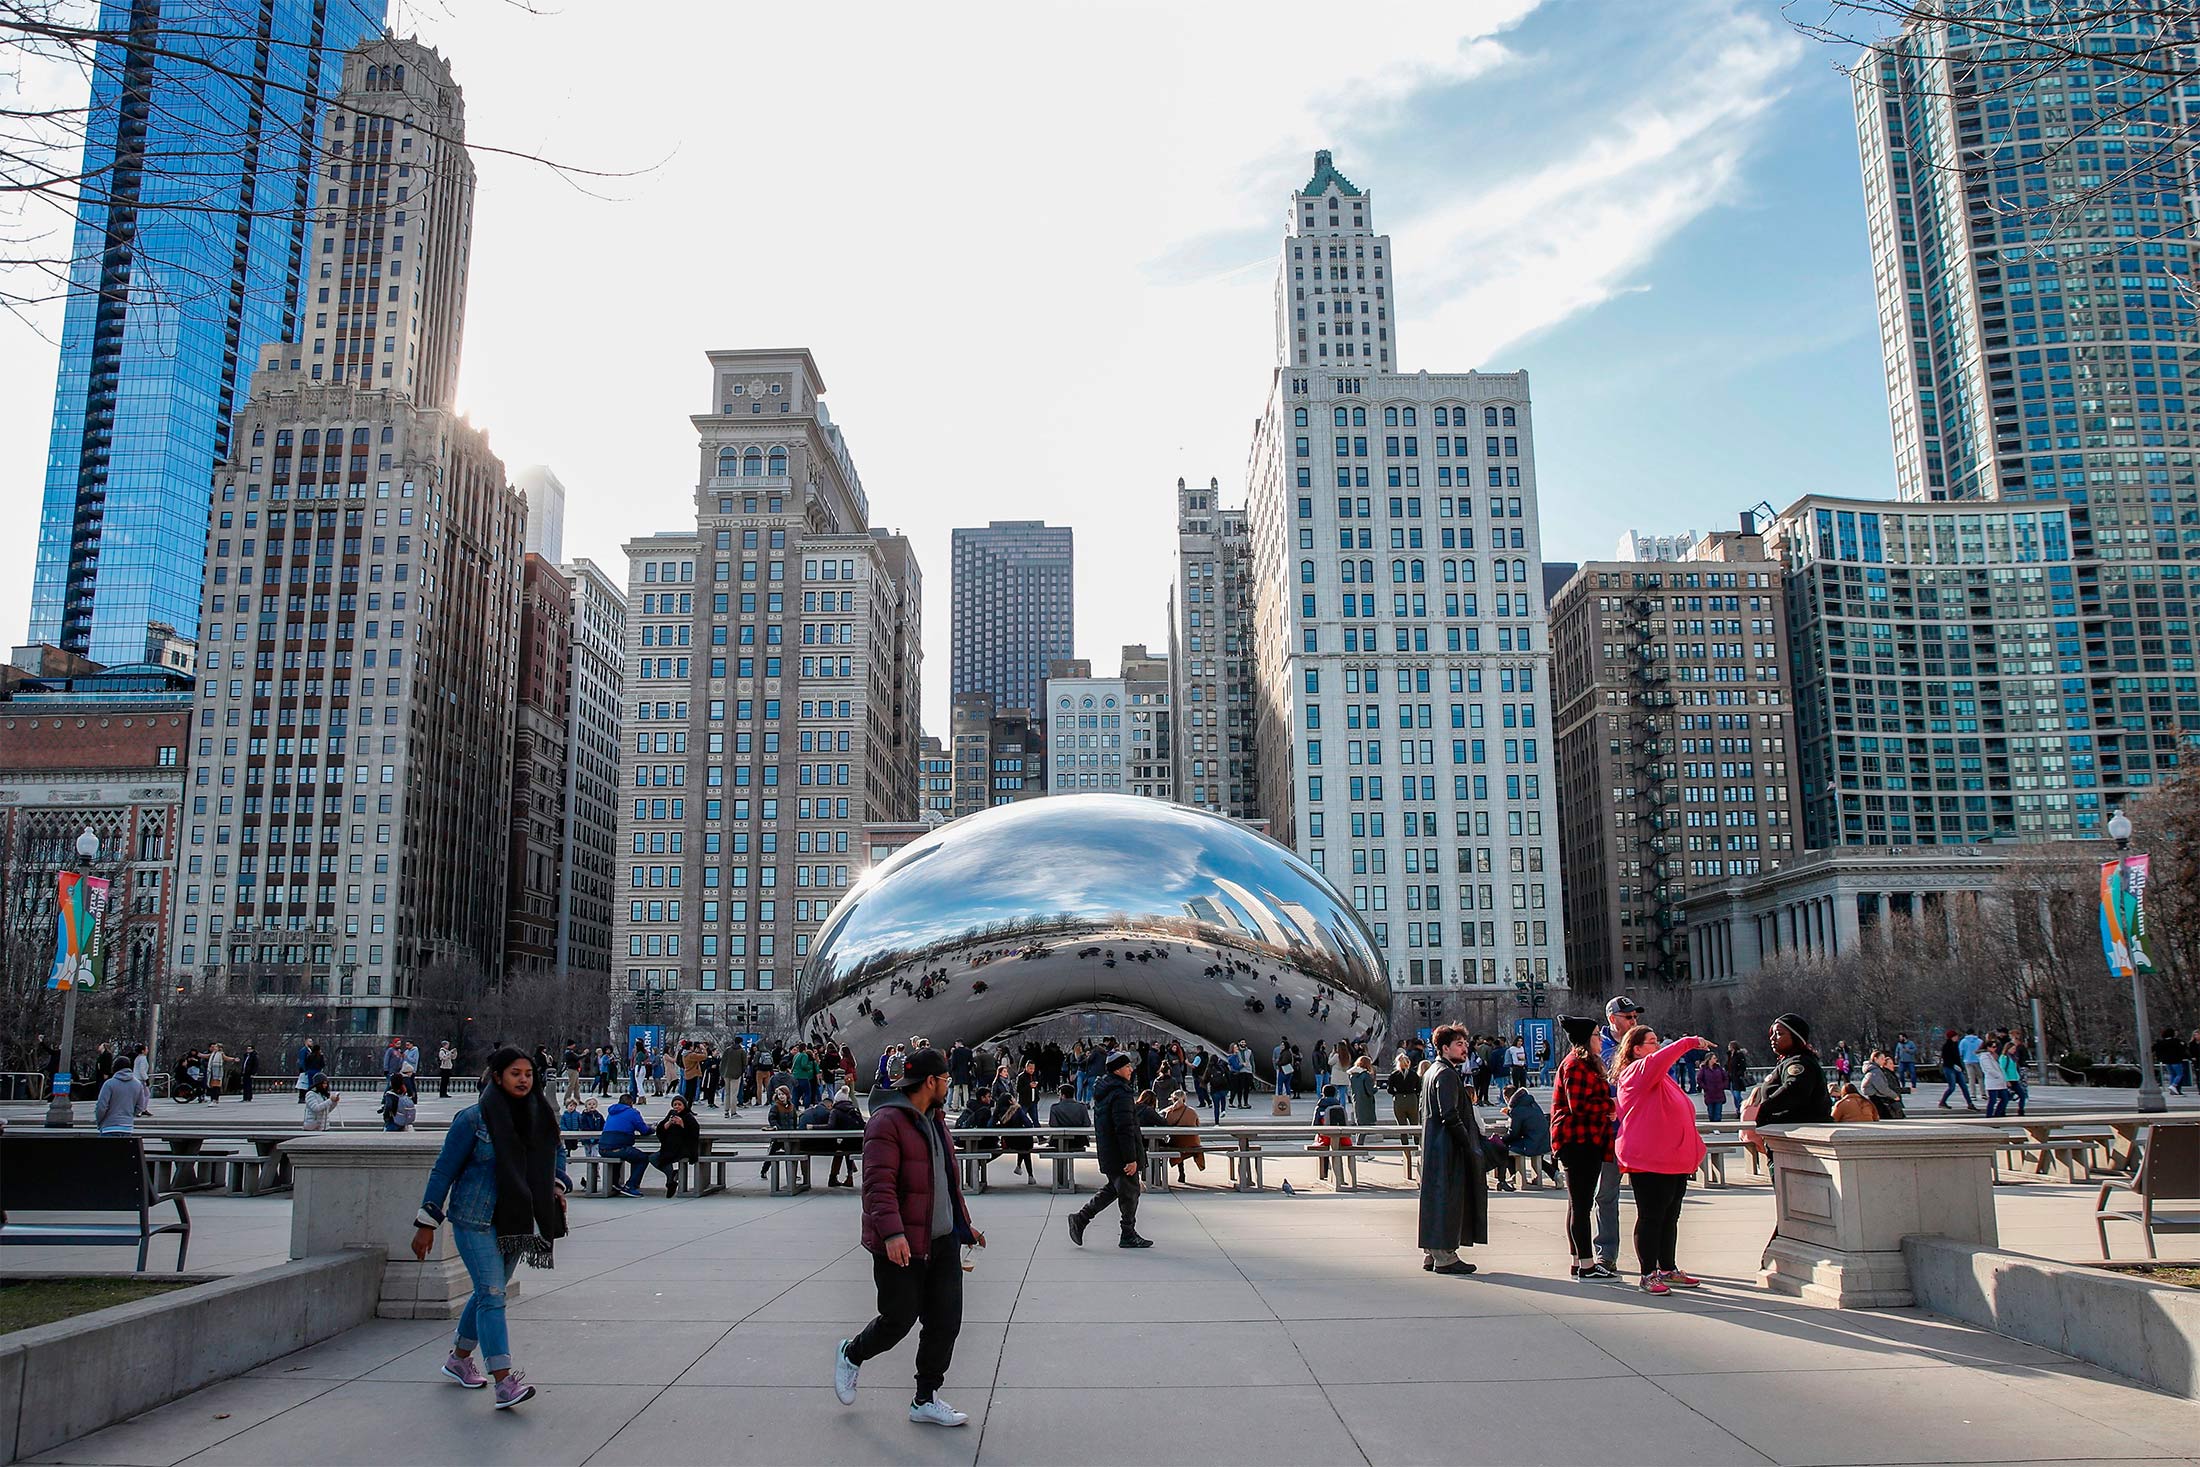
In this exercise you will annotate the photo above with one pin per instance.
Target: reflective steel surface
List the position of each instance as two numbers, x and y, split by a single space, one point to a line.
1080 903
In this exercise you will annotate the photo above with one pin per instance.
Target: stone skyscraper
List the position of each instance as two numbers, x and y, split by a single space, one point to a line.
773 696
1399 624
2037 323
196 202
351 765
1214 763
595 694
1014 587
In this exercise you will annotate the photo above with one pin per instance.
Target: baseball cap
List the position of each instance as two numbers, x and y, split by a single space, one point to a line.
922 1066
1622 1005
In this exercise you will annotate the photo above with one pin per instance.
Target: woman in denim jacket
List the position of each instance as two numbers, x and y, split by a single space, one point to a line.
502 1172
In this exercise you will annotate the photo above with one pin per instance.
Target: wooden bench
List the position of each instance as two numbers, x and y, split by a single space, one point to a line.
84 1174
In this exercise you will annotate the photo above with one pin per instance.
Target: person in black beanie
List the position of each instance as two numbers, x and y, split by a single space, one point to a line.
1795 1092
1122 1147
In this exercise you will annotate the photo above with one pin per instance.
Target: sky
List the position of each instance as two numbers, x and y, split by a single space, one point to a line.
1032 247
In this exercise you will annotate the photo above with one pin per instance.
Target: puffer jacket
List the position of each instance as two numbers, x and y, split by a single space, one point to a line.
1115 1124
897 1177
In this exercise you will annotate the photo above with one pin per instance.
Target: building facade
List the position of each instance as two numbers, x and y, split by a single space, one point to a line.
935 781
1401 635
1014 588
352 755
1676 749
190 250
1087 745
999 754
85 747
2036 328
772 690
1215 760
545 493
542 715
1940 698
1149 756
594 700
1330 242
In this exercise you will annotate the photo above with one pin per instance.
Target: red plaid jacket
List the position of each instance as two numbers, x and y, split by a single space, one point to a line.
1581 1106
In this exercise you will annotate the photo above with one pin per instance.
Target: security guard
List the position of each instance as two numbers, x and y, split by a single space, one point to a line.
1795 1091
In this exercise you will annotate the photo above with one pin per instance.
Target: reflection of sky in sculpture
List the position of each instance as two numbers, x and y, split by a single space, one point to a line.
1052 877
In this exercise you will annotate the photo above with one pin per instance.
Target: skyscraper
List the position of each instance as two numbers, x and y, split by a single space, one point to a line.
2032 241
772 694
361 609
545 493
595 695
1215 763
1014 584
202 142
1399 623
540 754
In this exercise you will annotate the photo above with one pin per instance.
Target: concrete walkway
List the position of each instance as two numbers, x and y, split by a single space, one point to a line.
1263 1329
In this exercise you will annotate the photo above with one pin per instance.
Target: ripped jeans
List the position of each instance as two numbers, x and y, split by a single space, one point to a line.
482 1323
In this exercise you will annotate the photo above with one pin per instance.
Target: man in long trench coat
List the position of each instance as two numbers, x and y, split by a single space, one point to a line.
1455 1199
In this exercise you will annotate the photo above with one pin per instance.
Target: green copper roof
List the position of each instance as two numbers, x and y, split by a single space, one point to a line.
1325 174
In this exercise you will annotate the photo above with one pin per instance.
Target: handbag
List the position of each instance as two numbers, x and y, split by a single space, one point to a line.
1282 1106
1752 1104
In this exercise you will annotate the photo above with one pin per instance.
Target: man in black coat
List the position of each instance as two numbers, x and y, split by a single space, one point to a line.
959 1062
1455 1198
1121 1146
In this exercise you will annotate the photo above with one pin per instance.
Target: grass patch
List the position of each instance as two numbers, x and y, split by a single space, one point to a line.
28 1302
2185 1274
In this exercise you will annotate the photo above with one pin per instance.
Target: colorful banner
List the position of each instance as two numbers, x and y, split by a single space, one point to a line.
80 938
2123 916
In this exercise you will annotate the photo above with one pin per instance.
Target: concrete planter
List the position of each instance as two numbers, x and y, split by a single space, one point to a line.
62 1380
2135 1327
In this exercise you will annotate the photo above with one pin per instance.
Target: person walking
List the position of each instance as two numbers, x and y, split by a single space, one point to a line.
446 1060
2170 1054
1952 1071
1582 1129
1659 1148
1121 1147
320 1101
913 1218
501 1172
1994 1078
1455 1203
1905 1062
248 1070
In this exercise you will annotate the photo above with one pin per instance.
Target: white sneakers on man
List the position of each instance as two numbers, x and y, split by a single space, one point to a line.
936 1412
844 1374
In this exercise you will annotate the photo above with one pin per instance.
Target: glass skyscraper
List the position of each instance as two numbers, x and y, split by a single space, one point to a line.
198 164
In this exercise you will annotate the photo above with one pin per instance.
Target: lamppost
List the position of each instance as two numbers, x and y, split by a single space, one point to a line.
2150 1088
61 1104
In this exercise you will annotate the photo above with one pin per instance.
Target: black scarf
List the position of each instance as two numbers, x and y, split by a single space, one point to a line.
525 1137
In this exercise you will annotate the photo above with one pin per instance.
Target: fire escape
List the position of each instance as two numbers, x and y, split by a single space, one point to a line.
1652 749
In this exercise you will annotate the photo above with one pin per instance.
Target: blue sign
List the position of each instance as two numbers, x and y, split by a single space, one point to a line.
1538 1039
61 1080
652 1035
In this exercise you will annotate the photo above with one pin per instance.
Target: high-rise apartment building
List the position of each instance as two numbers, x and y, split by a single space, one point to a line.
545 493
935 781
1330 242
1014 584
1940 695
999 754
1214 763
1400 630
541 718
360 619
772 694
198 186
1149 762
2036 320
595 685
1676 748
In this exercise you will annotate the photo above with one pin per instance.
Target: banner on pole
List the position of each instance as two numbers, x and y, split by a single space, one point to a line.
2123 916
80 938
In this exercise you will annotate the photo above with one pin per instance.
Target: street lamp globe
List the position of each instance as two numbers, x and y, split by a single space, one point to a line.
2119 828
87 844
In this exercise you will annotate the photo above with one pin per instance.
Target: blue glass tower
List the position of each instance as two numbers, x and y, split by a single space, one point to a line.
198 162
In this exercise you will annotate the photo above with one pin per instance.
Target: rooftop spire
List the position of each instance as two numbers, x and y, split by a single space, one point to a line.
1325 174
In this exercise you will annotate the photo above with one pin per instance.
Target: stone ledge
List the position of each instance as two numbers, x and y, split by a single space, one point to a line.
2147 1331
62 1380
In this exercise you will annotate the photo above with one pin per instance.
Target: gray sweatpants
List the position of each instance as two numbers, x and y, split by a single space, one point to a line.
1607 1238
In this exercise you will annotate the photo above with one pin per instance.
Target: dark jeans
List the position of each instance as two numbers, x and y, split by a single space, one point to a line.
1583 1161
443 1085
926 1290
1657 1218
1117 1188
635 1158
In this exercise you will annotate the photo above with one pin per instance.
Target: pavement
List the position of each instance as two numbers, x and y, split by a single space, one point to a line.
1264 1328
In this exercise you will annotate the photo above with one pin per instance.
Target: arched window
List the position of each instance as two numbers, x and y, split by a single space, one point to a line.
729 462
1520 571
1397 573
1298 418
1359 417
1306 573
1497 570
1419 572
1367 571
1340 418
1489 417
1451 571
1390 417
1508 417
1348 576
752 463
1409 417
779 462
1466 571
400 76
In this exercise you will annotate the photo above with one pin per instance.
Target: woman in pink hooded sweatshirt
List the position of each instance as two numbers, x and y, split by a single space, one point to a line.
1658 1149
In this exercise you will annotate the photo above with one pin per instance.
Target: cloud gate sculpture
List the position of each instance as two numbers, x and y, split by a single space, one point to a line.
1076 904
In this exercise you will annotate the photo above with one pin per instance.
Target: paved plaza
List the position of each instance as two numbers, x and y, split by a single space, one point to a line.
1264 1328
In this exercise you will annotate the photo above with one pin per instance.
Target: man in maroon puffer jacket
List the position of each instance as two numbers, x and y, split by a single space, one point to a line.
913 1220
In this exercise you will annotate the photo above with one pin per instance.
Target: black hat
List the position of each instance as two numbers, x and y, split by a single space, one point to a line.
922 1066
1117 1060
1796 1025
1578 1029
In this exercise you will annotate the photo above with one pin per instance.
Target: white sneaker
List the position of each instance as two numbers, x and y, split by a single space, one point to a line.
937 1412
844 1374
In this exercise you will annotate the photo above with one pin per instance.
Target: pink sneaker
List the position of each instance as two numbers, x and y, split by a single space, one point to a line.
1675 1278
465 1370
1653 1283
512 1390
